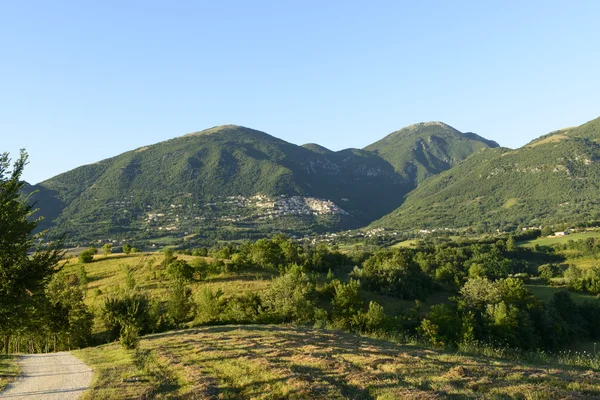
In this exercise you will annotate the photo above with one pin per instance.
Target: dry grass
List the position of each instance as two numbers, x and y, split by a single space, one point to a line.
551 139
274 362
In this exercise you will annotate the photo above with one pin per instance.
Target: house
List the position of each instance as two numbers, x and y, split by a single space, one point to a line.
559 234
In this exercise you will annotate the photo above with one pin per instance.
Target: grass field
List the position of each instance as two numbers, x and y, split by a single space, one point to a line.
9 370
549 241
405 243
275 362
108 273
545 293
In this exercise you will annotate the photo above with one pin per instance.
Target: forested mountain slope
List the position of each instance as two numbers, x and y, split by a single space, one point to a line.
553 179
243 178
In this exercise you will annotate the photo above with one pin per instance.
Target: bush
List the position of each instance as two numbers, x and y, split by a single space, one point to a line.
210 306
179 303
86 256
290 297
180 270
129 310
130 337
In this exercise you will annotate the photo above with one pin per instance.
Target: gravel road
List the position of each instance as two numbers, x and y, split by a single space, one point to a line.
59 376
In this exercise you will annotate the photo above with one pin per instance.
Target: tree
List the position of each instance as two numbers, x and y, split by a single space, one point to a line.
180 303
127 248
180 270
23 276
86 256
107 249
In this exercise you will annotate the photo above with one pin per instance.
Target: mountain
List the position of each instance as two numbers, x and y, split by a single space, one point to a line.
243 181
421 150
317 148
553 179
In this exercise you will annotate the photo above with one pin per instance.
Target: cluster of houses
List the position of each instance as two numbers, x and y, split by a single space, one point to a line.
236 209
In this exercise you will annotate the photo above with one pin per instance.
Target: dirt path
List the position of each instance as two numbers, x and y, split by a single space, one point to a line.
48 377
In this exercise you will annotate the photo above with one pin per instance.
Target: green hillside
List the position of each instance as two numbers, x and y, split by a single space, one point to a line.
421 150
554 179
237 182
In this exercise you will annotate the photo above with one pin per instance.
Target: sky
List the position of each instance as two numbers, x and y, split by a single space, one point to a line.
81 81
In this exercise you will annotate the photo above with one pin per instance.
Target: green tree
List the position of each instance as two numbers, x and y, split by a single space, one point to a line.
107 249
127 248
180 303
86 256
180 270
23 275
69 316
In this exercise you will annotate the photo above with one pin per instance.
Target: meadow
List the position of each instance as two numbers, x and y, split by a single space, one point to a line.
269 362
549 241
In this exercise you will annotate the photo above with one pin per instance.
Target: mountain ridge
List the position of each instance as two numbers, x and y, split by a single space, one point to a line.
552 180
113 195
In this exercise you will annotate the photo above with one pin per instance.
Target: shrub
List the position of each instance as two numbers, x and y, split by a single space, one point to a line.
180 270
291 296
86 256
210 306
130 337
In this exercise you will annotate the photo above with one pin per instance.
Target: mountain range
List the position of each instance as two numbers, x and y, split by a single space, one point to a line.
552 180
231 182
236 180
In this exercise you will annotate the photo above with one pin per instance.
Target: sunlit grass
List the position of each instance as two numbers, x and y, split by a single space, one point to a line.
545 293
266 362
9 369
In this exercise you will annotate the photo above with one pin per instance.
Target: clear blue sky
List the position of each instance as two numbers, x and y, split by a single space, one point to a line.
81 81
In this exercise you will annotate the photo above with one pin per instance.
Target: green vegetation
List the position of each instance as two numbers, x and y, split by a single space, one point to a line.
208 178
544 183
422 150
25 307
9 370
263 362
546 293
549 241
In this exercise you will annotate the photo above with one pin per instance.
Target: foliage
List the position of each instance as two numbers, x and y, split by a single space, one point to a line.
23 275
180 270
395 273
86 256
291 297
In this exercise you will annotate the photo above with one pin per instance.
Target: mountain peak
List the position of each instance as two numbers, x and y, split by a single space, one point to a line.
429 123
317 148
218 129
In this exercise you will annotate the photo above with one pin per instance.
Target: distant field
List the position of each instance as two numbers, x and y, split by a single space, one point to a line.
548 241
8 370
406 243
274 362
545 293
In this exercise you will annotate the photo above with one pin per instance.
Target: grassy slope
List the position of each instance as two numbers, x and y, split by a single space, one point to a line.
266 362
106 274
549 241
545 293
9 370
